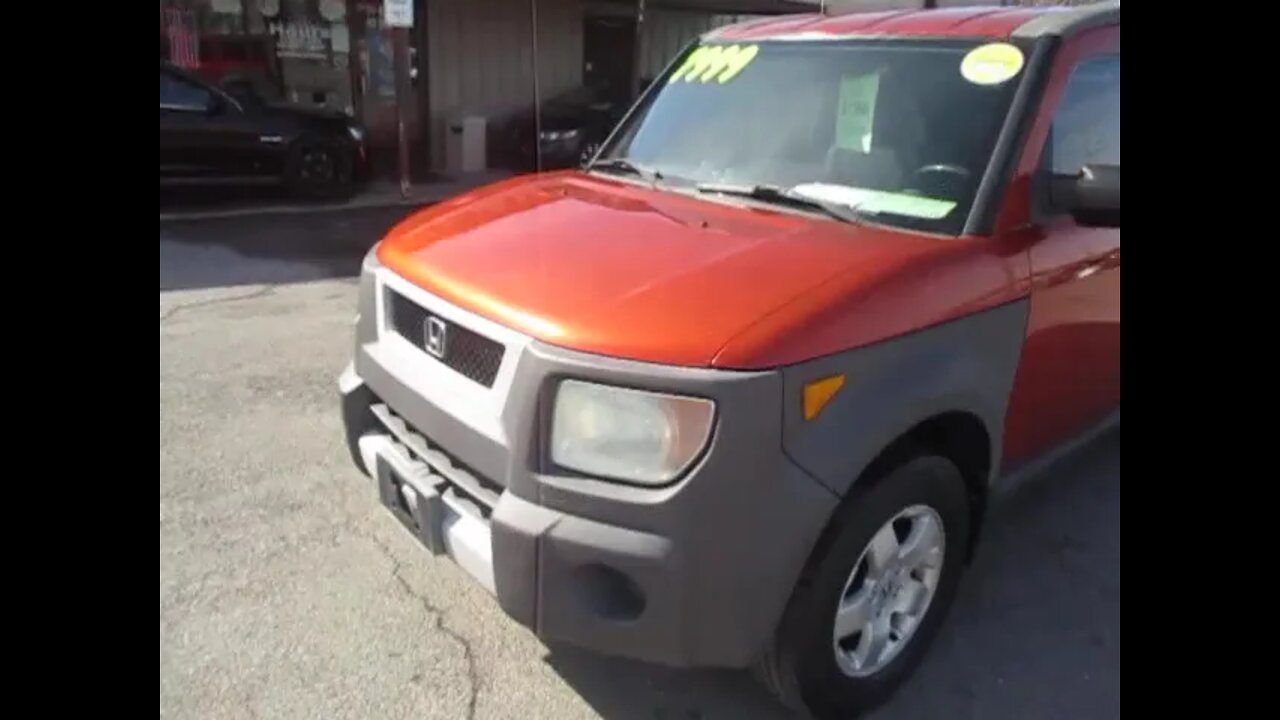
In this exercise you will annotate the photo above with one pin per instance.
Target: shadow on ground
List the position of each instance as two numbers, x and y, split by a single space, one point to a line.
270 248
1035 632
222 197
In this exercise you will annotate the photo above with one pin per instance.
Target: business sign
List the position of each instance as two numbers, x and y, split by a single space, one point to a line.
398 13
300 40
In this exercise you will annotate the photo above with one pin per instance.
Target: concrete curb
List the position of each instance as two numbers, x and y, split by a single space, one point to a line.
382 197
371 204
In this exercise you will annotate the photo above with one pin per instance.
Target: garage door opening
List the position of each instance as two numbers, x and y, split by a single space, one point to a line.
608 54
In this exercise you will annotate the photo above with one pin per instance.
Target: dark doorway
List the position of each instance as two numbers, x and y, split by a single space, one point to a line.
608 54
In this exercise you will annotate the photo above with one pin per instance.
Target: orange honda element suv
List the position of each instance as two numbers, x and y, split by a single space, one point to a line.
739 391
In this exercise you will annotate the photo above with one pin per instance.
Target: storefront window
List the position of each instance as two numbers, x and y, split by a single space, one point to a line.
373 52
293 50
378 70
313 47
213 39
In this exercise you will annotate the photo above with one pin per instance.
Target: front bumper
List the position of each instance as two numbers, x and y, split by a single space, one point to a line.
693 574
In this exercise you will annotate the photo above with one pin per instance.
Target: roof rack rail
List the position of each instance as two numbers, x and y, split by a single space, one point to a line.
1071 20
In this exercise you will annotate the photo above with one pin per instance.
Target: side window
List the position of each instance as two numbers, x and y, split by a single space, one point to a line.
179 94
1086 125
1085 130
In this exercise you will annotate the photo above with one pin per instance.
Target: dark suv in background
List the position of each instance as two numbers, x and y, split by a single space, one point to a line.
573 125
209 134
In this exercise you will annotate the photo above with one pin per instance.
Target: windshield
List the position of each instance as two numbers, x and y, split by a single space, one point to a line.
901 130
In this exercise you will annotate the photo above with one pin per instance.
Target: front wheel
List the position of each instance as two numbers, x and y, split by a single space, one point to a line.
875 594
319 170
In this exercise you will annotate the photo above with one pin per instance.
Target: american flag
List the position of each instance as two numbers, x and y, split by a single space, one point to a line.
184 43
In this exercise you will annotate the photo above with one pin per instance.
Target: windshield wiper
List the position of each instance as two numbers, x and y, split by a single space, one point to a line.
626 166
784 196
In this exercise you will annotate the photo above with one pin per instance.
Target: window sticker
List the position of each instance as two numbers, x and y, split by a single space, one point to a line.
991 64
720 63
878 201
856 113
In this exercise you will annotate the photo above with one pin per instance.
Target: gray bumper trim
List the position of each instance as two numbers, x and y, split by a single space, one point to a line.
463 536
439 461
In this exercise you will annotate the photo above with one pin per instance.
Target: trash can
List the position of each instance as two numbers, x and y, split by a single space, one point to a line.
464 146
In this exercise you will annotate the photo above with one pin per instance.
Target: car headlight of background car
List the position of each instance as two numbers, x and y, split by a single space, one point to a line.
357 133
624 434
554 135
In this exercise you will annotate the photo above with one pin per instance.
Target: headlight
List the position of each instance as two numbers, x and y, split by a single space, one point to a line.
357 134
624 434
553 135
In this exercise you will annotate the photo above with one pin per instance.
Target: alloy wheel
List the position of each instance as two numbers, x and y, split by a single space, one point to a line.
889 591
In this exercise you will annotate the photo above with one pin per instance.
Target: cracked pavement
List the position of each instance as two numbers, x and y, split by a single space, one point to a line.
286 591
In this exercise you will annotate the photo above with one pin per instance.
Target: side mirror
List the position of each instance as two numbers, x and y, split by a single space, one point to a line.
1093 197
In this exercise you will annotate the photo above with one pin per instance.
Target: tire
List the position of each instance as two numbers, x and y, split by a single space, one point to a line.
801 667
318 169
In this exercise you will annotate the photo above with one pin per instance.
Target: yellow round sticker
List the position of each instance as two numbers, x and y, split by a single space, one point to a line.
991 64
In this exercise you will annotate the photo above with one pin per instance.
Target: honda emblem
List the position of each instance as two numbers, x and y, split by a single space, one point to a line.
436 334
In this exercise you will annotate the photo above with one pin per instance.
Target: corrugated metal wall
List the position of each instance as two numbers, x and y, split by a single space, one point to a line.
668 31
480 58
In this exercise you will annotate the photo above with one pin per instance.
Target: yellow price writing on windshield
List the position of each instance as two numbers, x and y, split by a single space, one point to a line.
715 62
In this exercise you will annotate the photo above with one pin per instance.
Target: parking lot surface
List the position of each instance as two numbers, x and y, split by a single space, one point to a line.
286 591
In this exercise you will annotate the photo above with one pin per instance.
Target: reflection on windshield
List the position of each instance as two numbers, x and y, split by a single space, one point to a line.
892 127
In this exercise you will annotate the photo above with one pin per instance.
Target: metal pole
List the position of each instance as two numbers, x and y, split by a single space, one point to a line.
640 52
537 92
400 39
356 24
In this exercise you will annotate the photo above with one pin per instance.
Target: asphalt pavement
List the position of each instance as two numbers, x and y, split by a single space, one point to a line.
287 592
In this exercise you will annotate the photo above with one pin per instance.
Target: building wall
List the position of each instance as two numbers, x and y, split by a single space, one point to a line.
666 32
480 57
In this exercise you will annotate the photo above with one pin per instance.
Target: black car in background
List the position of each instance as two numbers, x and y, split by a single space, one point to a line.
573 125
210 134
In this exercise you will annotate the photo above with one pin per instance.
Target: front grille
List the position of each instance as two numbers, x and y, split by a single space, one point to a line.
468 353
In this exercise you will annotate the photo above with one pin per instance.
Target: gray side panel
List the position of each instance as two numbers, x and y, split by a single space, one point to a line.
1035 469
965 365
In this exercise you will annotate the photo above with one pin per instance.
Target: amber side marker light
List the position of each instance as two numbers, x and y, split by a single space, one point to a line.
819 392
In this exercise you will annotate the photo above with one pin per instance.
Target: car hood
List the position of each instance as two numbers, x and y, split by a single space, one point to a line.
617 269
